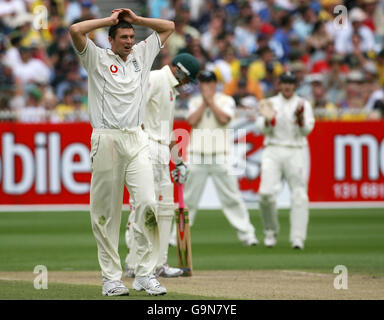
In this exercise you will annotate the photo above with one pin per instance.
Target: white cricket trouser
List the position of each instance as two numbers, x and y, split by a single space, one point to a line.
121 158
280 163
227 189
160 157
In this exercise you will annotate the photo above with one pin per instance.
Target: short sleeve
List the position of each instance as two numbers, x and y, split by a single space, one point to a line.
89 55
149 48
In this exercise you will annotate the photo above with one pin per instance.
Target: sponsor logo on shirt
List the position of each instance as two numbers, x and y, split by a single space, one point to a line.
113 68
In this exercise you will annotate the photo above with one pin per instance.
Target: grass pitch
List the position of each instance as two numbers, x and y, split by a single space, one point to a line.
63 241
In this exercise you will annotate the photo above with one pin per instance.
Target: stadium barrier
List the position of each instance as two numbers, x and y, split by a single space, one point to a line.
48 164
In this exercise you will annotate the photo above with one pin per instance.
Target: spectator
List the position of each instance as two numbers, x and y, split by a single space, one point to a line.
250 86
374 92
34 111
319 38
323 64
352 106
66 107
159 9
243 98
376 9
258 68
283 34
209 37
265 38
220 66
10 13
323 108
60 51
380 66
194 48
372 20
76 9
246 35
356 58
335 79
343 38
230 57
79 111
265 9
269 84
304 24
378 110
177 40
303 88
30 69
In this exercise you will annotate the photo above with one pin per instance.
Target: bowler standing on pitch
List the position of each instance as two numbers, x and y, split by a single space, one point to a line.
117 86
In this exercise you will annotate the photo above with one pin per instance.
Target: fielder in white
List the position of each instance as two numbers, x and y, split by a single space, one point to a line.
210 113
158 123
286 119
117 83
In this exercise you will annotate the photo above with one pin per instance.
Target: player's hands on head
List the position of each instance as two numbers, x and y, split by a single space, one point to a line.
114 17
127 15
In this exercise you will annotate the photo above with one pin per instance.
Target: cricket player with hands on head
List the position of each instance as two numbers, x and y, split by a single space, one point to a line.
158 123
285 120
117 86
209 112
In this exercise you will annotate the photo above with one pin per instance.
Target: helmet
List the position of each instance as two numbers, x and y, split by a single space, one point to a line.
188 64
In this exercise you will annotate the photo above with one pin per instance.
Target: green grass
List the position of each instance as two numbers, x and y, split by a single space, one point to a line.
64 241
11 290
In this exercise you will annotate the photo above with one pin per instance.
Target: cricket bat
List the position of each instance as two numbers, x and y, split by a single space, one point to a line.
184 250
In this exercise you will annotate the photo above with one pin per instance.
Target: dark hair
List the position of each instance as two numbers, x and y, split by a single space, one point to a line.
121 24
207 76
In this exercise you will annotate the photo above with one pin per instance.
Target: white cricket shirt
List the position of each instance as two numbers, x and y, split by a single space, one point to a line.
159 112
286 132
209 136
117 89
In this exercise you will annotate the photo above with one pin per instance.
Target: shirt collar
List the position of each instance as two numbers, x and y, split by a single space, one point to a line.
111 53
283 98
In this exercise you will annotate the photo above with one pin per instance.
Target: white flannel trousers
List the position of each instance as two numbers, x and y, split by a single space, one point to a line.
227 189
118 158
289 163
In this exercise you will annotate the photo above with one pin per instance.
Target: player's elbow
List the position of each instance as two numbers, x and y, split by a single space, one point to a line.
171 27
74 29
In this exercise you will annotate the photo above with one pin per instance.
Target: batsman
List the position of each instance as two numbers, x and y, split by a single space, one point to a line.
158 124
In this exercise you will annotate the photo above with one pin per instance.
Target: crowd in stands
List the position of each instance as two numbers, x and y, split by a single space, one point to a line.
337 57
41 79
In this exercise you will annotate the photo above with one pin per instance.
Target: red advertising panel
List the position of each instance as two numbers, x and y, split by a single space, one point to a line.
347 161
49 164
44 164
